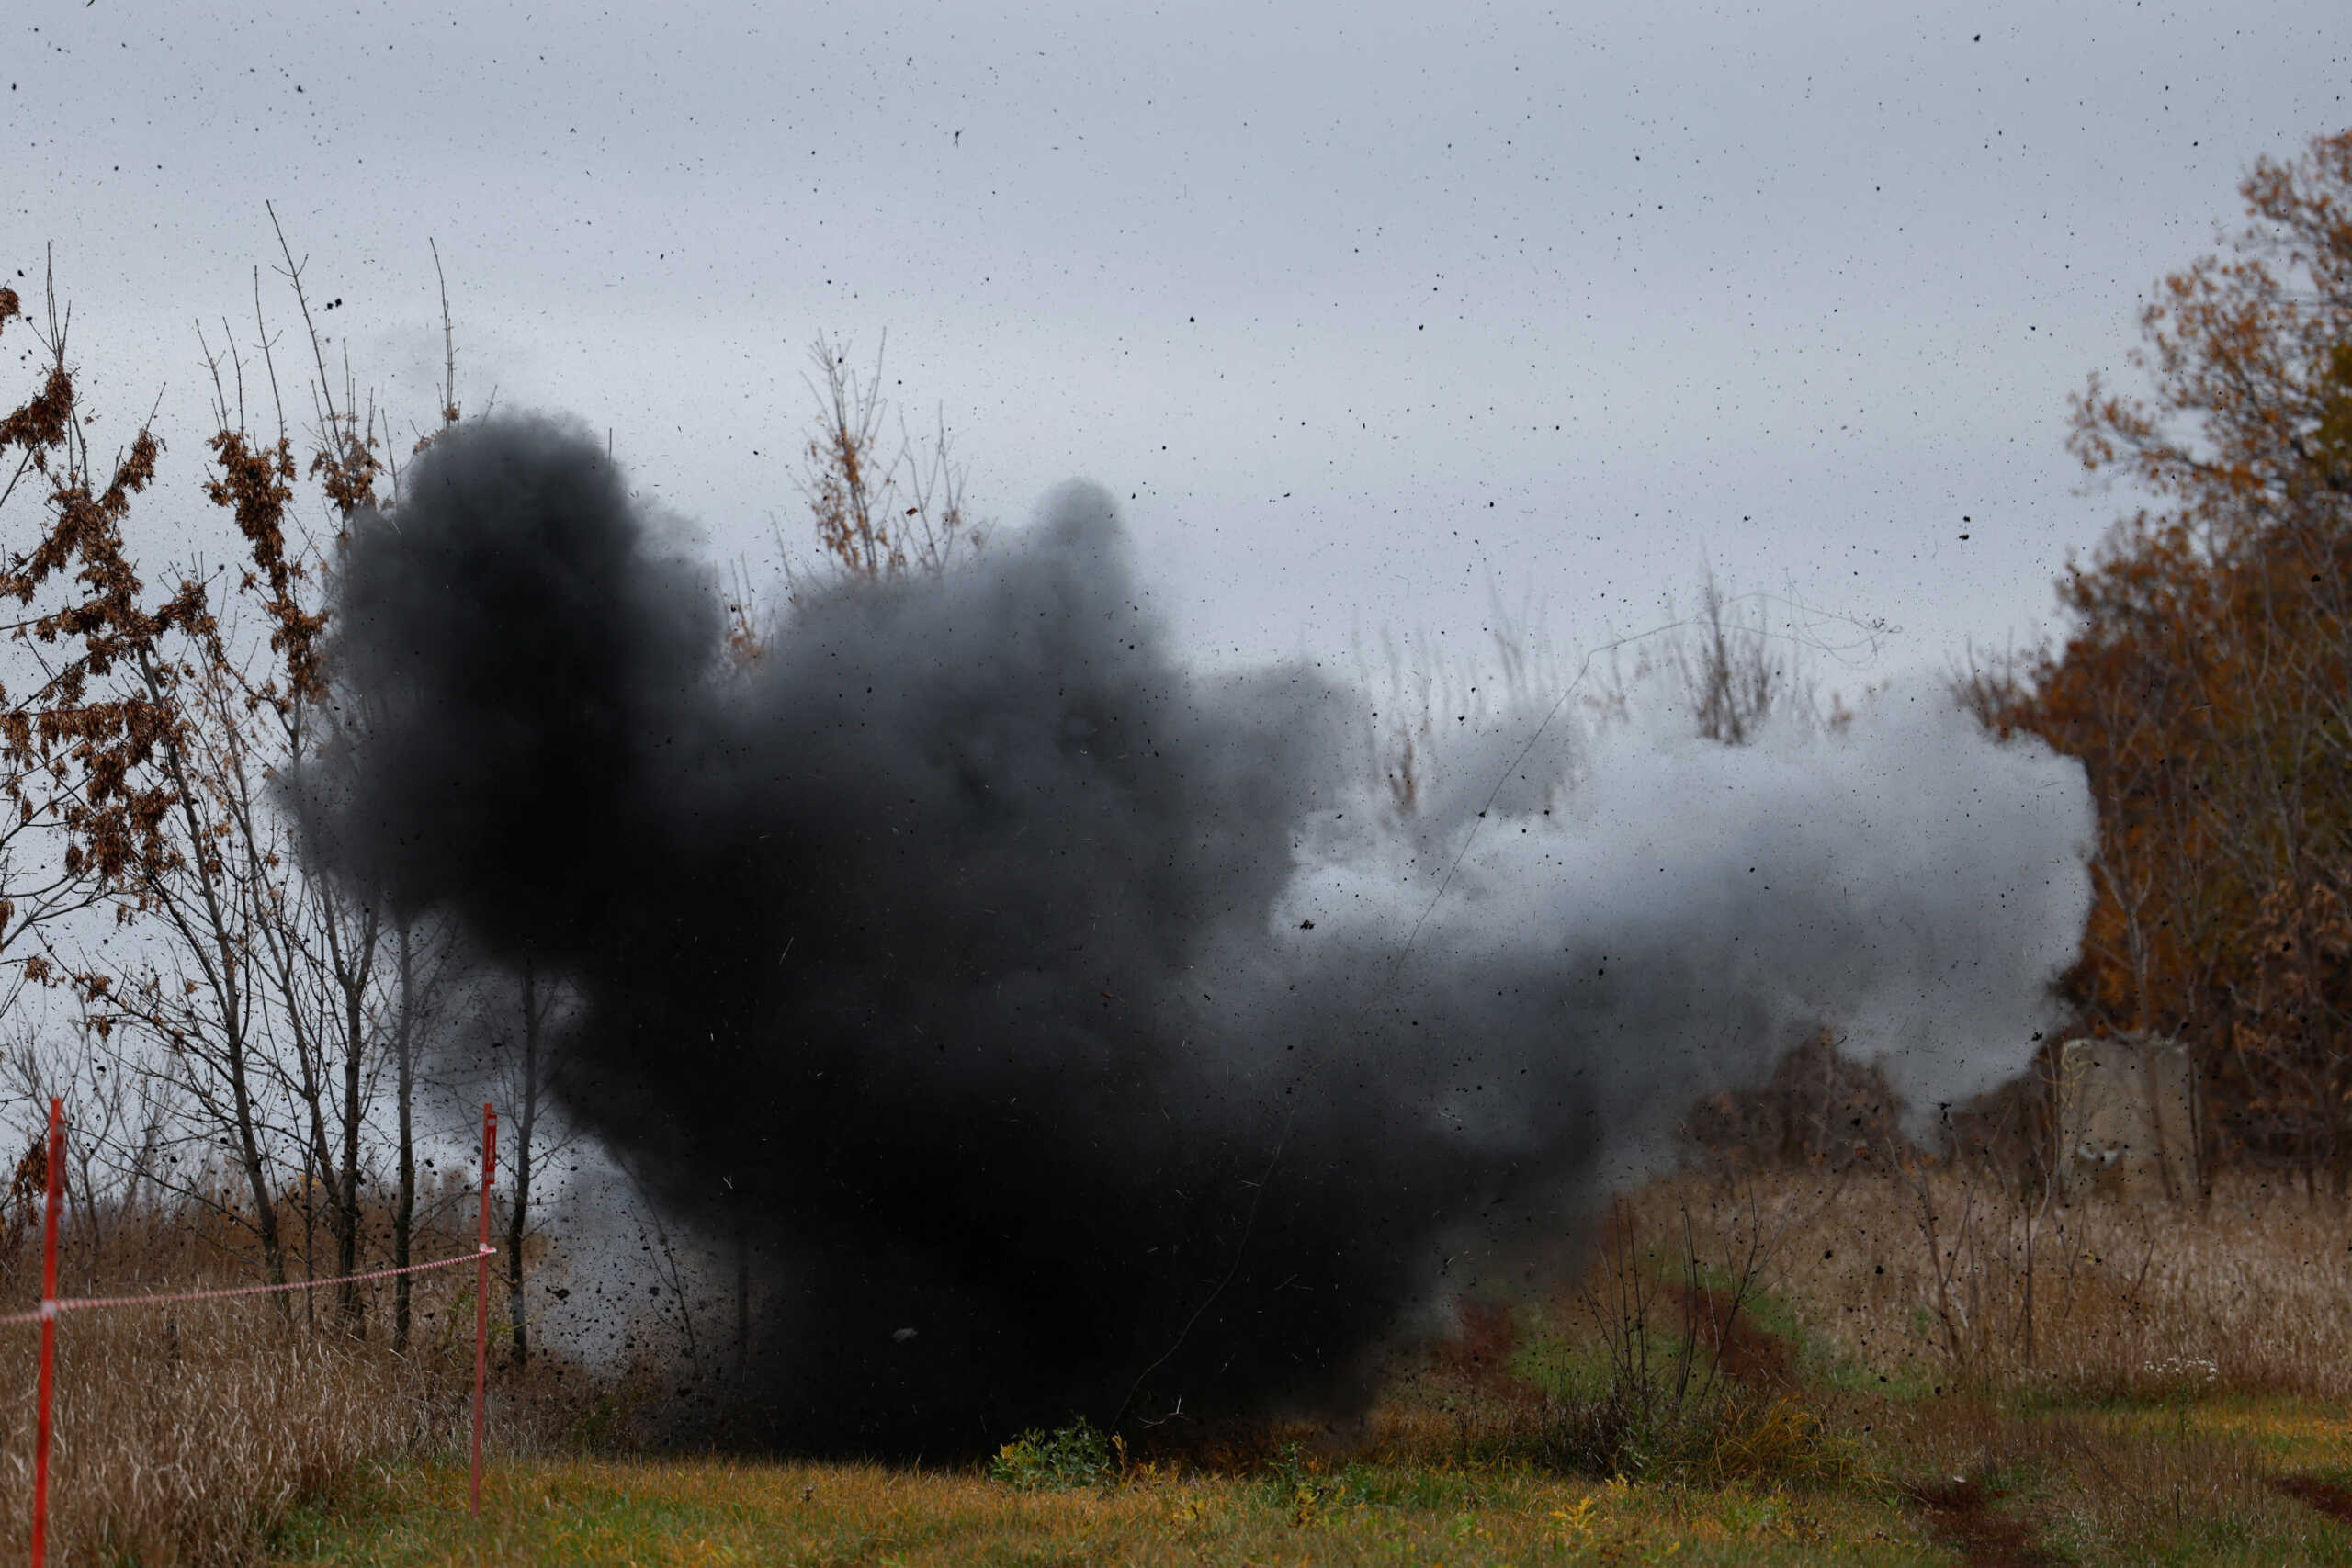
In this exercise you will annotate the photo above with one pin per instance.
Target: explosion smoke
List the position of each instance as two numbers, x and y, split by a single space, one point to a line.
981 959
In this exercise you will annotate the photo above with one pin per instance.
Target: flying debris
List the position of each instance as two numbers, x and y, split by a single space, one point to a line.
1056 1070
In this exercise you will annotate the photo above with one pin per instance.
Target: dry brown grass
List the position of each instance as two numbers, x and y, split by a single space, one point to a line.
2102 1489
2251 1293
184 1432
195 1436
182 1439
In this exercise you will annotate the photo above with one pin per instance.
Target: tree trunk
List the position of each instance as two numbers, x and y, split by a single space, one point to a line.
350 965
519 1218
257 1170
346 1186
310 1240
403 1095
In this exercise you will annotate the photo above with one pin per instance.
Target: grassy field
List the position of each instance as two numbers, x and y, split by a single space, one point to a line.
2119 1486
1881 1395
1875 1368
717 1512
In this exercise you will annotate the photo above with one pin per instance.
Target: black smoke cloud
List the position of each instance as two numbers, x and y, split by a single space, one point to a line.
1018 987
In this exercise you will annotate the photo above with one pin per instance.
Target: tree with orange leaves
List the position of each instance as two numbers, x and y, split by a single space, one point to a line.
2207 685
80 812
878 515
139 767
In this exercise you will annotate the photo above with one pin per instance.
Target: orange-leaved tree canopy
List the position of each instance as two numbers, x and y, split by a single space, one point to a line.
2207 684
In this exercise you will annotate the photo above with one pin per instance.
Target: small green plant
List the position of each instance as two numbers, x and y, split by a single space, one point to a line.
2180 1383
1061 1461
1303 1484
603 1426
1733 1435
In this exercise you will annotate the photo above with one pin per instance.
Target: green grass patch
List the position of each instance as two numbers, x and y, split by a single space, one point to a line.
723 1512
1060 1460
2091 1488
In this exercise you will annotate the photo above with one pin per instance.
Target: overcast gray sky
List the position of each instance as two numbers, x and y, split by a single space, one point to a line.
1367 306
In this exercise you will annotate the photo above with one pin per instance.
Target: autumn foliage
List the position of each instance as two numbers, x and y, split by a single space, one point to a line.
2207 685
80 726
877 516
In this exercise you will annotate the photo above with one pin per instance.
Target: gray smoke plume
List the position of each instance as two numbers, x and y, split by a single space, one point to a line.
1020 988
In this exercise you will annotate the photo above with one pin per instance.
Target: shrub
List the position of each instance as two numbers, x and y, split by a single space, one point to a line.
1732 1434
1061 1461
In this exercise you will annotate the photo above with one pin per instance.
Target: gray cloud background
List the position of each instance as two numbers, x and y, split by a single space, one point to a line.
1364 307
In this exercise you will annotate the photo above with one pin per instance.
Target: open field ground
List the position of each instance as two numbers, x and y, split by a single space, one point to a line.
2089 1486
1786 1368
1872 1399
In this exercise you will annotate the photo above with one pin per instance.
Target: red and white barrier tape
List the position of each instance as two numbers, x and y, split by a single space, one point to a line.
51 1304
75 1303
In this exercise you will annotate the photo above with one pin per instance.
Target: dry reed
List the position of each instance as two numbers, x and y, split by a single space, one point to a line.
184 1431
183 1435
1929 1273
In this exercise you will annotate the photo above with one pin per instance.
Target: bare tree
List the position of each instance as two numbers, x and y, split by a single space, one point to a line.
878 513
405 1017
524 1081
120 1119
264 994
518 1066
671 1272
197 997
322 954
145 754
1733 673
